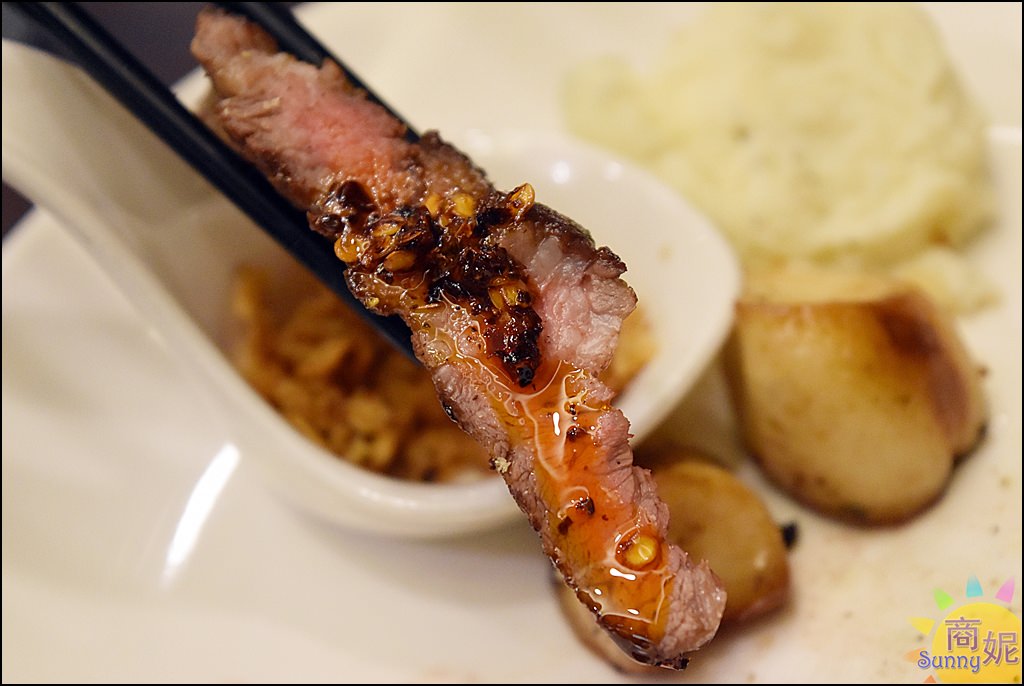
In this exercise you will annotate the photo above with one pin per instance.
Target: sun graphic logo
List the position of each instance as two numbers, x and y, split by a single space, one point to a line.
975 642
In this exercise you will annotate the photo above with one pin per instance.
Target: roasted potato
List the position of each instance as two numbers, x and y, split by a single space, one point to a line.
714 517
855 392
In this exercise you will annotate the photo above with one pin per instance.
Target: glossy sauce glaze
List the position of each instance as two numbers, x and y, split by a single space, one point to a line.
626 581
442 259
617 568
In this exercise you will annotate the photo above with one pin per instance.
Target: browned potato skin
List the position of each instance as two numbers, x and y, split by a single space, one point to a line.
715 517
857 405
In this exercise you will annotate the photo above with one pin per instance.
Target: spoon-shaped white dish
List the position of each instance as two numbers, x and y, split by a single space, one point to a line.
172 243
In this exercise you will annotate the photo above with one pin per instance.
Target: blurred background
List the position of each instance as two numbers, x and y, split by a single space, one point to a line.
157 33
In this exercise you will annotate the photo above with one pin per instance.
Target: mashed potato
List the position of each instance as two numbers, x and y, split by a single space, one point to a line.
836 133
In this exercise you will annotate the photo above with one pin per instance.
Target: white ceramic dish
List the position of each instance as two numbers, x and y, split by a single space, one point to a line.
172 245
138 545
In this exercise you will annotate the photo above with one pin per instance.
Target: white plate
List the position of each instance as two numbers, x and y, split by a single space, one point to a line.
136 546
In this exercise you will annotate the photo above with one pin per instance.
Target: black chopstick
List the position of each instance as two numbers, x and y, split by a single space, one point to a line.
132 84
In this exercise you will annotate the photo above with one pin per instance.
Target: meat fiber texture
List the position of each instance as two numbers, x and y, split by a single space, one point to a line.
503 295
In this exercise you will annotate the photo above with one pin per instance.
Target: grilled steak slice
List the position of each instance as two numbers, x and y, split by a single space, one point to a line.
513 310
